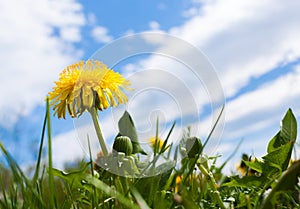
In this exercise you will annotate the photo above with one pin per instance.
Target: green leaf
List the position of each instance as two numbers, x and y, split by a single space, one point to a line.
281 145
286 182
278 158
127 128
289 127
74 177
256 165
287 133
119 164
273 144
158 181
164 146
246 181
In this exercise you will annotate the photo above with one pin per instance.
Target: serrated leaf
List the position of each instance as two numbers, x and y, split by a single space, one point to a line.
287 133
286 182
246 181
289 127
127 128
74 177
161 175
278 158
256 165
281 145
273 143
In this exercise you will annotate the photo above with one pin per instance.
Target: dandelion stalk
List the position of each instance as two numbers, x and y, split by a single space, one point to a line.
213 184
51 178
94 115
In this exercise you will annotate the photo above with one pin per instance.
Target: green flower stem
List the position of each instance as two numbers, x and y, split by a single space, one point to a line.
98 131
51 178
213 184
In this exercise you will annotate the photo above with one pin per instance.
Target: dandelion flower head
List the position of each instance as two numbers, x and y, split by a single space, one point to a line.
156 141
85 85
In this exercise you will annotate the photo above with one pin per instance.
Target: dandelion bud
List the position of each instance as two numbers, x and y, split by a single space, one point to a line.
193 146
123 144
96 174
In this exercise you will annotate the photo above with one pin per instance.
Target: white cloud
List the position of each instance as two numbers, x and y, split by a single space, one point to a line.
166 87
266 105
244 39
255 116
100 34
67 148
129 32
153 25
91 18
202 1
71 34
190 12
73 145
36 44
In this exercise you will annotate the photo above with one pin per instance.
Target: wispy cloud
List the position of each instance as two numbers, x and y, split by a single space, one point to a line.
244 39
36 43
101 35
154 25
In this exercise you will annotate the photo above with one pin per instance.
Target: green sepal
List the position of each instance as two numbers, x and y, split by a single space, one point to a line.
127 128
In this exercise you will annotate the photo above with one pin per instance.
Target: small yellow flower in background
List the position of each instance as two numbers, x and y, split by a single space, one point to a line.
292 161
152 140
85 85
243 169
177 182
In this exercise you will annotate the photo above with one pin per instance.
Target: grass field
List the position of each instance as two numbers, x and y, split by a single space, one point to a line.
195 182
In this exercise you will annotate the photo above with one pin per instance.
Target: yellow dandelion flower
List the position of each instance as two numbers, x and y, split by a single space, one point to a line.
242 167
86 85
159 142
177 183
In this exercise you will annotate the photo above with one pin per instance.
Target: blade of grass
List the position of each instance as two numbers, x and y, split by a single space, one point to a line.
170 147
3 203
141 202
214 126
213 185
176 153
206 141
94 196
231 155
27 190
163 148
109 191
156 144
36 173
50 172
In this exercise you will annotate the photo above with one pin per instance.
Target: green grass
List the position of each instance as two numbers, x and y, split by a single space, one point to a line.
196 182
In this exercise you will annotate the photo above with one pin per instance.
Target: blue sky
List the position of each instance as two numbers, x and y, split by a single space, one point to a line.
253 45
